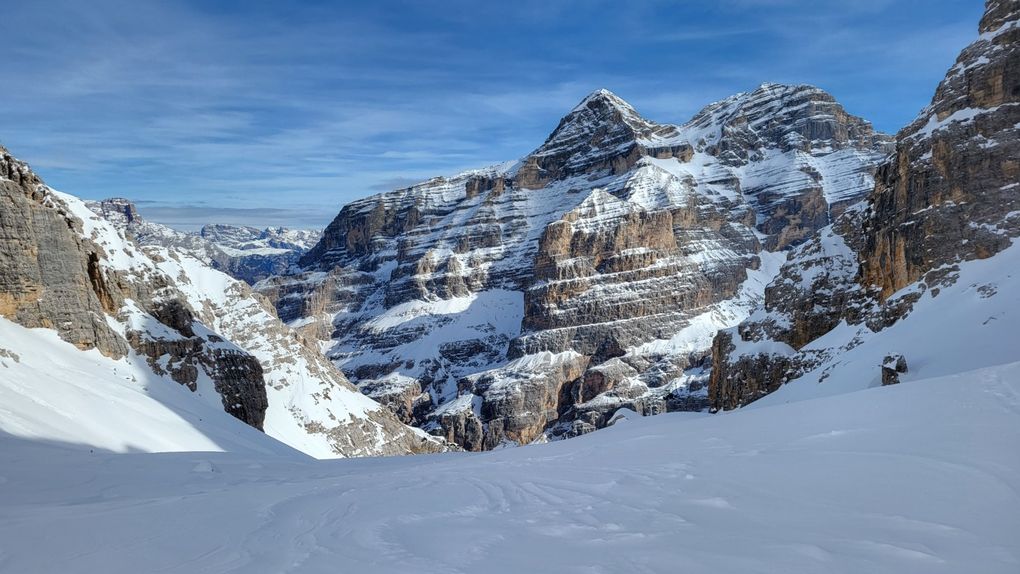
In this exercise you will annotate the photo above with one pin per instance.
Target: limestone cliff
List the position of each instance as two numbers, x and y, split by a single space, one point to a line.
949 193
530 300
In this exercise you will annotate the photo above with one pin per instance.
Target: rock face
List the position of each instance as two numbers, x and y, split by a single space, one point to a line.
245 253
531 300
950 189
949 193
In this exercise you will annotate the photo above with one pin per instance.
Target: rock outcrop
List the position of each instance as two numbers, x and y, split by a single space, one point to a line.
949 193
530 300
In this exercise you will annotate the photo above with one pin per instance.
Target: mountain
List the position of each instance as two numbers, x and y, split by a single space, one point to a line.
147 348
866 396
532 299
931 250
245 253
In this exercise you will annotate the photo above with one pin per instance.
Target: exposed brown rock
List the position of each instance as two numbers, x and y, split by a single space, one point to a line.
613 244
949 193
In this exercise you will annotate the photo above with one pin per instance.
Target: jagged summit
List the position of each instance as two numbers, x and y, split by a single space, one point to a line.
603 98
596 132
116 208
785 116
13 169
604 132
999 13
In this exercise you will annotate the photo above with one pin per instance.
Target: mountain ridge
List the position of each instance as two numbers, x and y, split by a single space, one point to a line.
616 231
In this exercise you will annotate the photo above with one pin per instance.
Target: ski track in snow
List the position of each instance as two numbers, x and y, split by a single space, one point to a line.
920 477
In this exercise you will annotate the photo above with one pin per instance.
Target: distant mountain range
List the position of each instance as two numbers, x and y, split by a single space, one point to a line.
246 253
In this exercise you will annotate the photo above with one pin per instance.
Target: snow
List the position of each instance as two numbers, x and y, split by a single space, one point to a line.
50 390
298 392
405 312
967 325
922 477
420 330
700 331
962 116
993 34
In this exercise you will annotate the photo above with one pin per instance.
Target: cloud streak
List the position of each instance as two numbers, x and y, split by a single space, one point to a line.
243 103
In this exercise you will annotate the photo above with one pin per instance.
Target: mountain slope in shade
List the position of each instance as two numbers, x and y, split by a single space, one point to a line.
530 300
887 280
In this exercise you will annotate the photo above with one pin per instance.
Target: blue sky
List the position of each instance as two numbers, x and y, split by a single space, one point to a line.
278 113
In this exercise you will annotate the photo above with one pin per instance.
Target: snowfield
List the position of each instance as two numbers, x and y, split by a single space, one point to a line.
920 477
52 391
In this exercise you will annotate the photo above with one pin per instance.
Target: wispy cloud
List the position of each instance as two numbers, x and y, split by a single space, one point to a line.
244 103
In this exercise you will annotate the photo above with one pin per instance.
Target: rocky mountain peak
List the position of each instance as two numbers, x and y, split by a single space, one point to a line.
983 78
16 170
788 117
999 13
603 132
607 104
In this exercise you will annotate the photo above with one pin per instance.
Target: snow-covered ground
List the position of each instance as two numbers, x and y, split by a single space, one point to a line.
919 477
52 391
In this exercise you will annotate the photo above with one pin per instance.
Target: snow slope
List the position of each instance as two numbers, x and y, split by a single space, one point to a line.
970 323
51 390
920 477
311 406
